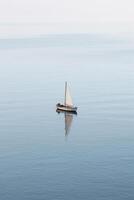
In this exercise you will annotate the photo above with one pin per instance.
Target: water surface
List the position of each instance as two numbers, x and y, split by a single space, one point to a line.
95 160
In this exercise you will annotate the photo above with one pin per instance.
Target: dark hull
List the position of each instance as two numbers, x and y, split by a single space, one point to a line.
66 108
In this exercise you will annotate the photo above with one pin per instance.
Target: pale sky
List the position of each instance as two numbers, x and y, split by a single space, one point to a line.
66 10
95 12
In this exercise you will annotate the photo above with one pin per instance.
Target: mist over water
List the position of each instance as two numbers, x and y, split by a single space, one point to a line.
95 160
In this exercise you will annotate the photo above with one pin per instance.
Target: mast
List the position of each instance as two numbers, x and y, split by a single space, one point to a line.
65 92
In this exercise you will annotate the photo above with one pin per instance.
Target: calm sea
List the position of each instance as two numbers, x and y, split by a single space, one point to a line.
94 159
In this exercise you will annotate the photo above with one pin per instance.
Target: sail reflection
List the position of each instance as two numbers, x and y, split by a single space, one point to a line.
68 117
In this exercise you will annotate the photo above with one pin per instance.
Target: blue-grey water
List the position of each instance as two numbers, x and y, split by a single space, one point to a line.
95 160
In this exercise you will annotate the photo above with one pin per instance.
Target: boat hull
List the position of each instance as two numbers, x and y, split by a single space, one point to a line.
66 108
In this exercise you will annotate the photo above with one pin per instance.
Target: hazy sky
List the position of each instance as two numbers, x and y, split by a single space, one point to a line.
66 16
66 10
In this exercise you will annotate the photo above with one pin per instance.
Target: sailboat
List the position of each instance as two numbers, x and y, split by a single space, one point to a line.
68 103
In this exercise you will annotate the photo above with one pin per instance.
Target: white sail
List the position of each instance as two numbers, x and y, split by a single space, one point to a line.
68 98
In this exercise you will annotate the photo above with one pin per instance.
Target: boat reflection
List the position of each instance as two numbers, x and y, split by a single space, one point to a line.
68 120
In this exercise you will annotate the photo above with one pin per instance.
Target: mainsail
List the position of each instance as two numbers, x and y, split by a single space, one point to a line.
68 98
